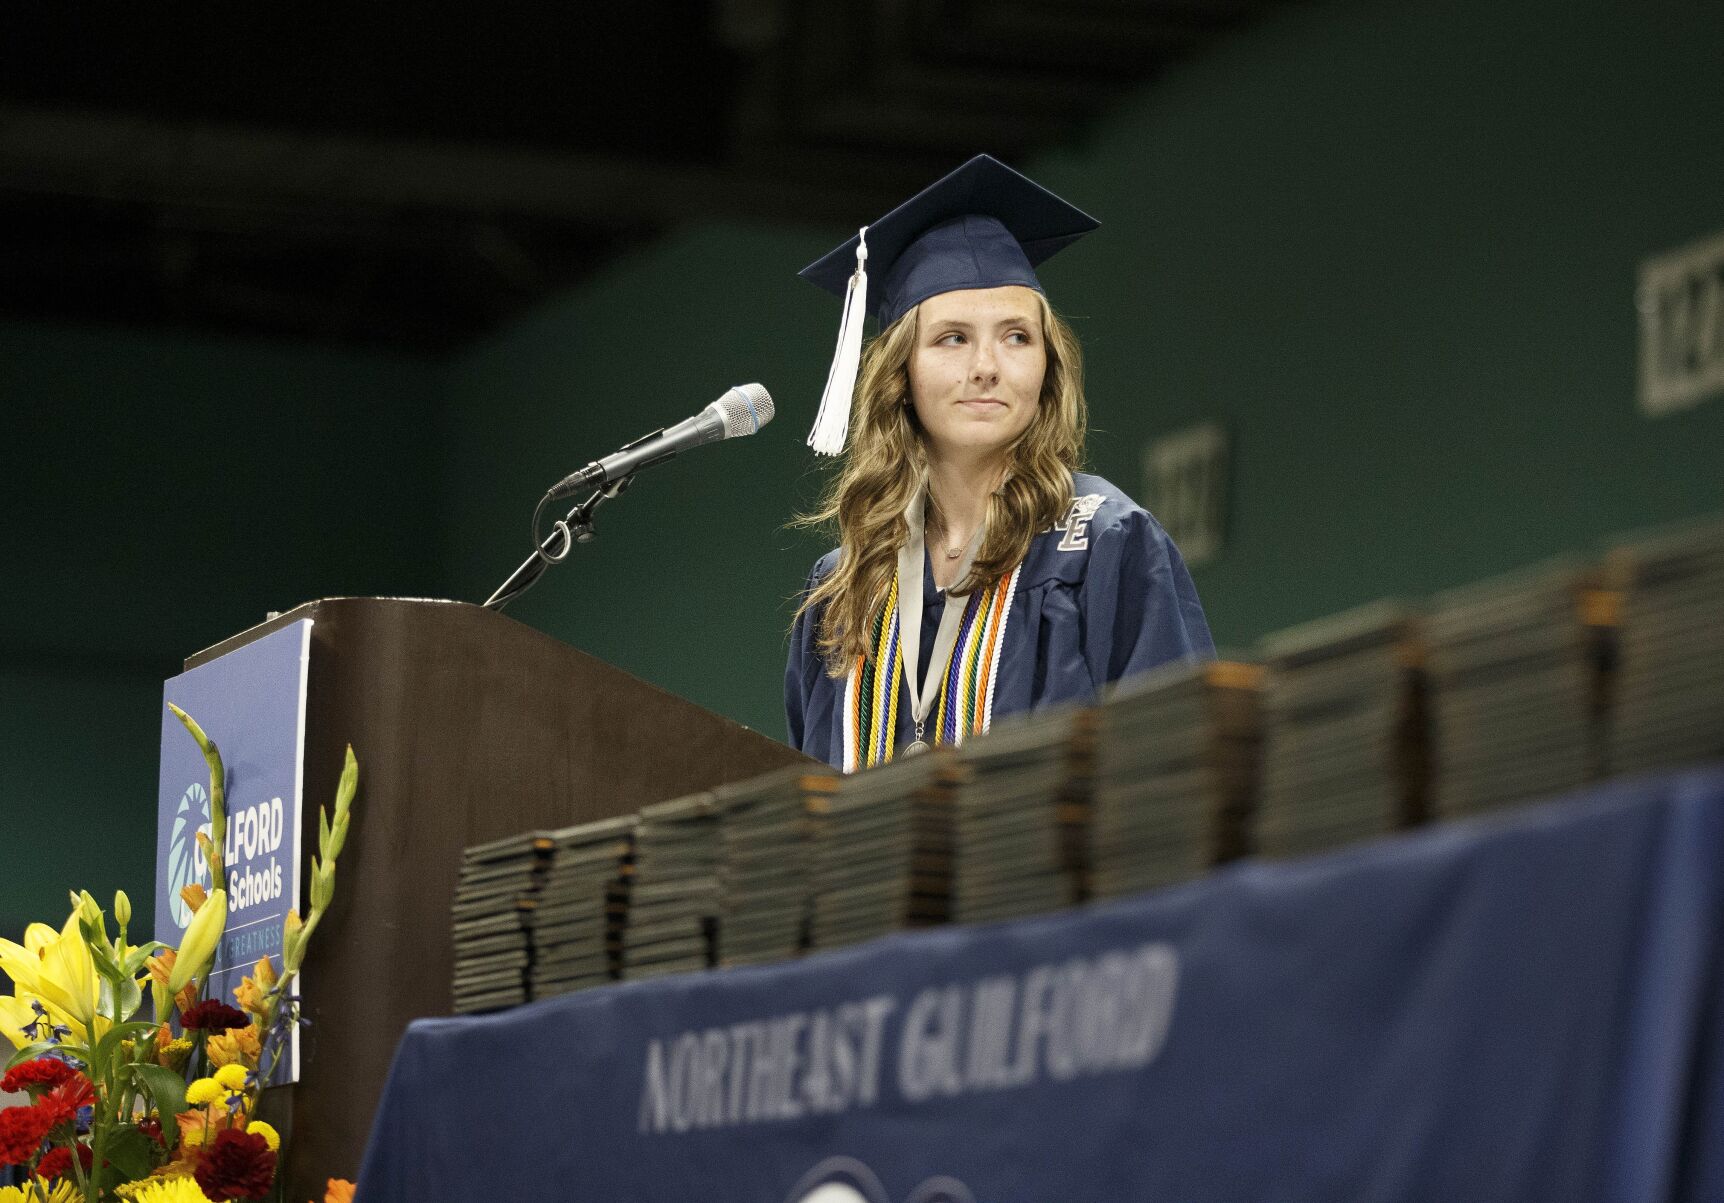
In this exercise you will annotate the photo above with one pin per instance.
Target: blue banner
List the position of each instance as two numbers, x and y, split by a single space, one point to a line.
1517 1009
251 702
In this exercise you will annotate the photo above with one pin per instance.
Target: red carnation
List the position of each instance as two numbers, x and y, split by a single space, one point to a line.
42 1071
213 1015
22 1130
237 1165
57 1162
62 1102
152 1128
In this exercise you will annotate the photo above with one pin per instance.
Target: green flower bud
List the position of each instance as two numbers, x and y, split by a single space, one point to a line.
198 949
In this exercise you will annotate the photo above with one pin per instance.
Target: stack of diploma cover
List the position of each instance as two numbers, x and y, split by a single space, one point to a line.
1344 756
1670 687
673 899
1012 809
578 920
1515 676
883 852
765 887
1176 765
494 899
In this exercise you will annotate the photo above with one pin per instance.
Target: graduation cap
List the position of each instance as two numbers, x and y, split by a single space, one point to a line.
982 226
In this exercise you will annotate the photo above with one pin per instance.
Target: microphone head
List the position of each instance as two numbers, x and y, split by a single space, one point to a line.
745 409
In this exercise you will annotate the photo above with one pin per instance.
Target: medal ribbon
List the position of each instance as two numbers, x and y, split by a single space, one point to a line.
961 671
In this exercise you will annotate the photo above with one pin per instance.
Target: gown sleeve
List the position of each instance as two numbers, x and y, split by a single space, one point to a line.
1139 605
807 690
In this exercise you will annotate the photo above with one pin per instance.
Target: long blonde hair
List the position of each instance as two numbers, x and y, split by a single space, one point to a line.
865 501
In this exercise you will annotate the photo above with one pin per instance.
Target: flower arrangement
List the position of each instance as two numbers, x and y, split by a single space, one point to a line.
124 1108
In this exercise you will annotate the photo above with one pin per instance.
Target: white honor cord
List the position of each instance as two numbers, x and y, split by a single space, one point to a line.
910 556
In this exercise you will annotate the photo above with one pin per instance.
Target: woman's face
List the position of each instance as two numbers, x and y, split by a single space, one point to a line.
976 370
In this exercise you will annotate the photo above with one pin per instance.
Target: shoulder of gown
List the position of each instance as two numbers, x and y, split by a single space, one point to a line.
1109 567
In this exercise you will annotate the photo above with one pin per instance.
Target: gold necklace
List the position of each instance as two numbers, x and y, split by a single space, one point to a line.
952 552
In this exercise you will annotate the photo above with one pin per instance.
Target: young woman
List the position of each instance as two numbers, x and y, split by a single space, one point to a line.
978 574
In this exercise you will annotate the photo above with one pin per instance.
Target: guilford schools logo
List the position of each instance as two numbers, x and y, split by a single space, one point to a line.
186 864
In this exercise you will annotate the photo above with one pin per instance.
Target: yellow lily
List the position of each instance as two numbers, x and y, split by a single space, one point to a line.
70 974
57 970
15 1015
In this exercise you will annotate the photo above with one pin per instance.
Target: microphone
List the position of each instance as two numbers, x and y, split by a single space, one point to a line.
741 411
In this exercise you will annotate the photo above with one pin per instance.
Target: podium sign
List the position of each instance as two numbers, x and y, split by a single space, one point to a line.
251 702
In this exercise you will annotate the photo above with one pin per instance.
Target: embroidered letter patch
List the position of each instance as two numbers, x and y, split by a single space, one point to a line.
1076 522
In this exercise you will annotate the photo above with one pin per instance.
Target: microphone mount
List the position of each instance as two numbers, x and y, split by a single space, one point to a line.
574 527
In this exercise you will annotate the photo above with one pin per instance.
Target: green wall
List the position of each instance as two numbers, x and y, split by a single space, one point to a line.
1393 246
161 493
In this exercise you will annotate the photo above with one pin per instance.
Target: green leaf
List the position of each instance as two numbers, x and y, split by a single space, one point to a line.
131 998
130 1152
30 1052
167 1090
109 1044
135 958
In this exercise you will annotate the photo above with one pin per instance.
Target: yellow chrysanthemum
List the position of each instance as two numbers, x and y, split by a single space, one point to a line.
203 1092
232 1077
60 1192
271 1137
175 1053
178 1189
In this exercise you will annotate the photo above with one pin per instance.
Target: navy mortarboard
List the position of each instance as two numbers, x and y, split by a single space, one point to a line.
982 226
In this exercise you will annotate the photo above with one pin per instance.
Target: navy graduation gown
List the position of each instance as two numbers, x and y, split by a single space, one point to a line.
1101 596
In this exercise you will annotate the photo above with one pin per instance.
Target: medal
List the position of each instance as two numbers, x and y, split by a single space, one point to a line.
922 693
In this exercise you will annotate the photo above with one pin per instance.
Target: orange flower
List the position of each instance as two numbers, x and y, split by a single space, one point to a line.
339 1190
249 994
199 1125
237 1047
194 896
161 965
181 1167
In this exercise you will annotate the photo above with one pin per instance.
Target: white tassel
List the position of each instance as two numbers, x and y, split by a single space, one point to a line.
832 423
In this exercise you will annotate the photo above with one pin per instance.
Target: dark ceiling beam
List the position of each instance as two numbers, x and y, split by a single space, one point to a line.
113 156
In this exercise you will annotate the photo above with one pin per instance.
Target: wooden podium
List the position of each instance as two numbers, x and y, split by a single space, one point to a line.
468 726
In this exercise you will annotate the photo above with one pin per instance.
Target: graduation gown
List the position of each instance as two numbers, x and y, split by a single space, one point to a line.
1099 597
